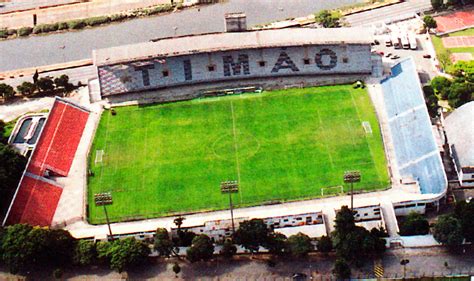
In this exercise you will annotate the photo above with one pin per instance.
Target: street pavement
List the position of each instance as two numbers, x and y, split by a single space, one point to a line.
390 12
62 47
428 262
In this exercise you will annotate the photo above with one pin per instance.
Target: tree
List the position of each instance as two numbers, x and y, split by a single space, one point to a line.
6 91
176 269
3 137
299 245
62 82
430 22
460 93
342 269
18 250
327 19
447 231
414 224
85 253
178 222
431 100
445 59
441 86
45 84
464 212
325 244
26 88
354 243
228 249
163 244
123 254
344 223
60 246
276 243
437 4
252 234
12 165
201 249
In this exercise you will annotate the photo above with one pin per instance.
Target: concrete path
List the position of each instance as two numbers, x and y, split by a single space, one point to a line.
12 111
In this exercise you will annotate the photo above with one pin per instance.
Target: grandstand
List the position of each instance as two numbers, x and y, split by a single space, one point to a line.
37 195
416 152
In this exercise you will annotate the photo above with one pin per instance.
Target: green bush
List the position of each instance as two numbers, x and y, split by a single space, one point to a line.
3 33
118 17
45 28
11 31
62 26
25 31
159 9
97 20
76 24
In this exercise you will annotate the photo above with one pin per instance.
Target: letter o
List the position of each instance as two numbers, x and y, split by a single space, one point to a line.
332 62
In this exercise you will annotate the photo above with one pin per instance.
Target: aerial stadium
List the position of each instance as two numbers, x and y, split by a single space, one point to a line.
274 110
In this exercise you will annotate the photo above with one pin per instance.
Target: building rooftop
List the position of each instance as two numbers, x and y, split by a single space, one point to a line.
459 128
213 42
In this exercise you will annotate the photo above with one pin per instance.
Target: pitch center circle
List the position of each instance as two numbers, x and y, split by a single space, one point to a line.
242 145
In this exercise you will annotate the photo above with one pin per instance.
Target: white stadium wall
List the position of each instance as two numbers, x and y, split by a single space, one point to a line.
134 76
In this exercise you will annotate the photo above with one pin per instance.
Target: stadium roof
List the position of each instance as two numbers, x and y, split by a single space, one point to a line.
459 128
214 42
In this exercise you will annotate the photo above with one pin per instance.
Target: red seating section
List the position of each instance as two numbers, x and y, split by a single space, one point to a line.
37 198
59 140
35 202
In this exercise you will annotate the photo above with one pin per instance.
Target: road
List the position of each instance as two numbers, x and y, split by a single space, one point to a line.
61 47
423 262
389 12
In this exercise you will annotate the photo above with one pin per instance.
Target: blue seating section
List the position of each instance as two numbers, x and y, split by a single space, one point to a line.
416 151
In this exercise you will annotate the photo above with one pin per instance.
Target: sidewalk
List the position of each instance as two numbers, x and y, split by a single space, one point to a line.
74 11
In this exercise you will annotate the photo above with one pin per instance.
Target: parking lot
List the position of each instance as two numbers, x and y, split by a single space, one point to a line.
425 66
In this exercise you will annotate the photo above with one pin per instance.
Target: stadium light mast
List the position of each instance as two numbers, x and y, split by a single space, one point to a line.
230 187
352 177
104 199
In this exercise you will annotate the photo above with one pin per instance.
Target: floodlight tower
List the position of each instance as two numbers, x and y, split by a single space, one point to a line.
104 199
352 177
230 187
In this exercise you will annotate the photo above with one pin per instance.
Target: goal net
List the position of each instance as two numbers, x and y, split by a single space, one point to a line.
367 127
332 190
98 156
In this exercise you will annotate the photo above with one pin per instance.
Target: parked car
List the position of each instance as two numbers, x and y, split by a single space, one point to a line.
395 57
388 55
427 56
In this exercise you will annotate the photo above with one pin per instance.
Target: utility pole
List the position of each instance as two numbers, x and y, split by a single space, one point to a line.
230 187
352 177
404 262
104 199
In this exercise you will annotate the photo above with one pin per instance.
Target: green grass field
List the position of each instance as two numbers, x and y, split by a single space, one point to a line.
281 145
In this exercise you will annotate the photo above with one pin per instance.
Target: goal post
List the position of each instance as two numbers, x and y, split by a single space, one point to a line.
332 190
99 154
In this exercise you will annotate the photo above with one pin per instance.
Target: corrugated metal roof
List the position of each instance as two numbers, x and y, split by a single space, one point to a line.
459 126
232 41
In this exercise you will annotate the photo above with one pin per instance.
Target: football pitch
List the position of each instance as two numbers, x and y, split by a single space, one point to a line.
165 159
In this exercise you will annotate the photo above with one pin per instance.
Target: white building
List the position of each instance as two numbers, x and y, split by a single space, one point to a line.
459 127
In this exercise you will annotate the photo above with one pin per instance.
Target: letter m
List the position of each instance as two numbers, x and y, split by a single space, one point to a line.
242 62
